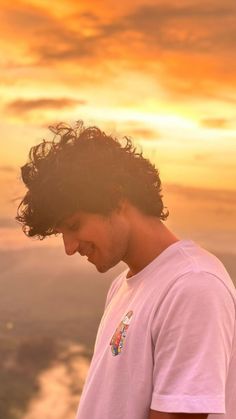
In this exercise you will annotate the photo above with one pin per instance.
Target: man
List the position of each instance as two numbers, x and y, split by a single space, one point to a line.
165 347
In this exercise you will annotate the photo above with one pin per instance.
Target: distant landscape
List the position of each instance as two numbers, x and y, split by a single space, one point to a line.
50 309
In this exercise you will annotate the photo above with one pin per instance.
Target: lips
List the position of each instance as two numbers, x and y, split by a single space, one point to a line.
82 252
86 250
89 258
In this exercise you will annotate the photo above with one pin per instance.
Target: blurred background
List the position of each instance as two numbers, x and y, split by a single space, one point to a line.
160 72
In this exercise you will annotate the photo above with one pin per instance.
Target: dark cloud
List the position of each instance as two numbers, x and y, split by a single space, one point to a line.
217 96
7 223
192 28
139 131
144 134
189 48
216 123
88 15
25 16
7 169
199 194
202 157
56 43
47 38
196 27
227 99
23 106
147 13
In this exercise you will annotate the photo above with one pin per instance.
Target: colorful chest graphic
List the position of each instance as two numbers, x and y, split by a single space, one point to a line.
117 341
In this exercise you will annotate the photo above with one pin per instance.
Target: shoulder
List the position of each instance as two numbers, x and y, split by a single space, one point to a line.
195 268
199 298
201 289
196 298
202 284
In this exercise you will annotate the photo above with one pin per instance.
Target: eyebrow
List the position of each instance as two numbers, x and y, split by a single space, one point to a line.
69 224
58 226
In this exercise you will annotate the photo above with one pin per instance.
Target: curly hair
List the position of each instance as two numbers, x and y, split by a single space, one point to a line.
84 170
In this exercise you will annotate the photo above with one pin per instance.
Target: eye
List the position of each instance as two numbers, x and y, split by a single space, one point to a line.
74 226
56 232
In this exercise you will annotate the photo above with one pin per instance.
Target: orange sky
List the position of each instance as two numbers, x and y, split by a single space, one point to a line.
163 72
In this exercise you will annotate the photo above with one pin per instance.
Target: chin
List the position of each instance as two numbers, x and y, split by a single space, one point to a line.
102 269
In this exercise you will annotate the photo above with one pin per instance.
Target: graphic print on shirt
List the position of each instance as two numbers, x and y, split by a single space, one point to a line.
117 341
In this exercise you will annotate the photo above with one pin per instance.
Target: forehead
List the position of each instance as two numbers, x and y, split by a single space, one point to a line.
67 221
80 217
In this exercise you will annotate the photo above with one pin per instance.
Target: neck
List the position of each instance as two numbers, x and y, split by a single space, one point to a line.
149 237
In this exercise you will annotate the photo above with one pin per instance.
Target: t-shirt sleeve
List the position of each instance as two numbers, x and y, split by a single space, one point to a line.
192 334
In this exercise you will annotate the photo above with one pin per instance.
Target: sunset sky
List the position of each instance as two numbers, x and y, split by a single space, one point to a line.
162 72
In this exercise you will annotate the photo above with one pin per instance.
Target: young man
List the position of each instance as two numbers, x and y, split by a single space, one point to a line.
166 344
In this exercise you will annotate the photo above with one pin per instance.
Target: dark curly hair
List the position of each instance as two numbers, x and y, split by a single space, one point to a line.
84 170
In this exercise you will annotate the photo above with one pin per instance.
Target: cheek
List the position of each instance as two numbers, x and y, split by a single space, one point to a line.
120 238
101 238
104 243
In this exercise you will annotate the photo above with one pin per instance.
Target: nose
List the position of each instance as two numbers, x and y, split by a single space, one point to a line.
71 244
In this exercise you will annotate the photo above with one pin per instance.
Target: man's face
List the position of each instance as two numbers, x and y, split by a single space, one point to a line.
103 239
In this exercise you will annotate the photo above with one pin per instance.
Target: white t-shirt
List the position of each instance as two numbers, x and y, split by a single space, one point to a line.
166 341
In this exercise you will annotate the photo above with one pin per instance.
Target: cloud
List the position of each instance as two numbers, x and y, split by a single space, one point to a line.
139 131
7 169
44 37
216 123
218 96
188 48
64 47
202 157
7 223
199 194
144 134
192 28
23 106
